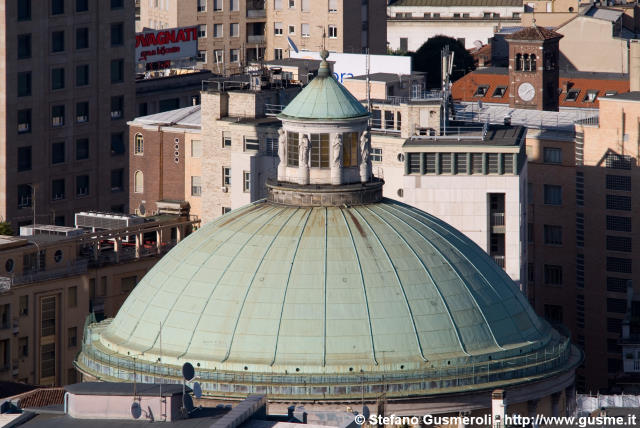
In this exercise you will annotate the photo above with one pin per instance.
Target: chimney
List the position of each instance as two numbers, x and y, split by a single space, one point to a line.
498 407
634 65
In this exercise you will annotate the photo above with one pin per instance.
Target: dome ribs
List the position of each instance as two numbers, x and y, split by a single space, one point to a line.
253 277
284 295
437 223
213 289
364 289
404 294
451 265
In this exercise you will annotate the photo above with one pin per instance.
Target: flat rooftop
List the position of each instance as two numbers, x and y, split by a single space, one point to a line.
388 77
562 120
495 135
126 389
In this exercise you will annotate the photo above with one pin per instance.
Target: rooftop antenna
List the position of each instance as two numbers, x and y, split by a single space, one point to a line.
368 81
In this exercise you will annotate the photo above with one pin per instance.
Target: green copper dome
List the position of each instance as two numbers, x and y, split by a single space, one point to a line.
324 98
280 287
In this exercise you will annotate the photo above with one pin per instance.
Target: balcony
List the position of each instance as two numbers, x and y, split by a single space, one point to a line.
256 13
254 39
499 259
497 222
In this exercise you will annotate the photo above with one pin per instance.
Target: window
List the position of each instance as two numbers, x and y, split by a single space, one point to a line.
461 163
572 95
57 116
58 190
138 148
251 144
617 264
277 53
552 155
24 10
72 297
481 91
117 71
82 185
24 121
333 5
202 30
202 57
82 5
82 75
24 158
246 181
293 139
226 140
57 41
333 31
82 38
234 55
57 153
616 161
552 235
319 150
225 210
277 28
499 91
217 5
404 44
82 149
277 4
617 285
376 155
127 284
57 79
350 145
23 347
117 4
138 182
553 274
24 84
306 5
414 162
305 30
202 5
24 46
614 325
292 4
552 194
82 112
117 34
590 96
618 224
621 203
117 143
619 243
553 313
233 5
196 186
117 180
234 30
226 176
217 30
57 7
196 148
117 107
72 337
619 182
24 195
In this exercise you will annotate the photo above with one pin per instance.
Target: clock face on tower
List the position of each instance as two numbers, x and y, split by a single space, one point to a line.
526 91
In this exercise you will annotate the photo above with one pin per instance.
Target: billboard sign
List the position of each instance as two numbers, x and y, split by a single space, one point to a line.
348 65
166 45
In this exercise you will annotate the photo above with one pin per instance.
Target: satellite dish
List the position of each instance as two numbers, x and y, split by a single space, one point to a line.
136 410
188 372
197 390
478 44
292 45
366 412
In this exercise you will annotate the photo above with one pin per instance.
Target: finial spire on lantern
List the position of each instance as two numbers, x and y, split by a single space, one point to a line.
324 70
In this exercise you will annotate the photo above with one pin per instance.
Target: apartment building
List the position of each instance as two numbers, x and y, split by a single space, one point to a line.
336 25
66 92
411 23
230 32
53 279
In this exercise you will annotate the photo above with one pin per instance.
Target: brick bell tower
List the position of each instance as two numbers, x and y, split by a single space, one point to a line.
533 68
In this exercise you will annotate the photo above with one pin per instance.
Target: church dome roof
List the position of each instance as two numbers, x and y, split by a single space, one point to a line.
324 98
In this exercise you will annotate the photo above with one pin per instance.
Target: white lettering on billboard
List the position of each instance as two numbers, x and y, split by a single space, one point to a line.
166 45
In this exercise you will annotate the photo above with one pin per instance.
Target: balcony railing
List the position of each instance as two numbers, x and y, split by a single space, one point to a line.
256 13
497 219
255 39
499 260
76 268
